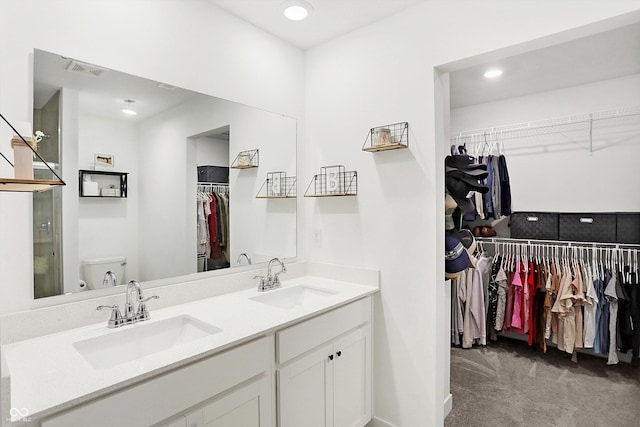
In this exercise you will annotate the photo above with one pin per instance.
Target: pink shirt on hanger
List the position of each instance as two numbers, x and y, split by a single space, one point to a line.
516 319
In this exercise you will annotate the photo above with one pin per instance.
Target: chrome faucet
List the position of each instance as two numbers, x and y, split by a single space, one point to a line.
271 281
110 279
128 308
130 315
243 255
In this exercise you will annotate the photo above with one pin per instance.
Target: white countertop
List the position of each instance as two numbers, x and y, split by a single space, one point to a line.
47 374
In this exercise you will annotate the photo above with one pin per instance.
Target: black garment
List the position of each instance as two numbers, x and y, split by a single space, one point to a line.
634 296
493 299
625 323
505 186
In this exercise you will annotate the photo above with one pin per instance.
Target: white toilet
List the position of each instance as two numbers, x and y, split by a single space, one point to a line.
96 268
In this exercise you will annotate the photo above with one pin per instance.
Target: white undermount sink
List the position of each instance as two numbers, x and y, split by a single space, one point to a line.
142 339
296 296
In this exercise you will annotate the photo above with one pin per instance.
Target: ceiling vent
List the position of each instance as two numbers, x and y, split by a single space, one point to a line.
84 68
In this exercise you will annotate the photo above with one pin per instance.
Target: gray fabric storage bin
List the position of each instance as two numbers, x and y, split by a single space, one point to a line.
628 228
534 225
219 174
588 227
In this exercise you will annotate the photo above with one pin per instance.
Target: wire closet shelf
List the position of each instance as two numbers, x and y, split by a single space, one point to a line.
213 187
542 127
535 246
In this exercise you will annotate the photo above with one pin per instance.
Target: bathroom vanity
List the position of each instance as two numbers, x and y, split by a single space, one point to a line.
297 355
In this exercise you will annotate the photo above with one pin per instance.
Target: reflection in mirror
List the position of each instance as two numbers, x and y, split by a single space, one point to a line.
185 211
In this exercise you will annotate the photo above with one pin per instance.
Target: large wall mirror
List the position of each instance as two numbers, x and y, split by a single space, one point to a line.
186 212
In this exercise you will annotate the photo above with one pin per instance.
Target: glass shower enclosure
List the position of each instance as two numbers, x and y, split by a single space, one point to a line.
47 205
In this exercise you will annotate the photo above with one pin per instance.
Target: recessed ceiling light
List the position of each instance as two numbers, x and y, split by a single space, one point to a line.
492 74
296 10
129 108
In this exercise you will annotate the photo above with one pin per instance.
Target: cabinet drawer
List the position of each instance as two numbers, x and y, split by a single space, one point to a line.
294 341
587 227
534 225
628 228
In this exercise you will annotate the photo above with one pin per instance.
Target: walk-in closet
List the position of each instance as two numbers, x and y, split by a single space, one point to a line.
567 133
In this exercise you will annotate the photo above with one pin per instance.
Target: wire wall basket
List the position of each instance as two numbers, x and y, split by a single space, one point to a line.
333 181
278 186
246 159
387 137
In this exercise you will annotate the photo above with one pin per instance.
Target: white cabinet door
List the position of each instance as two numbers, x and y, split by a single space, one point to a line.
330 386
248 405
304 395
352 380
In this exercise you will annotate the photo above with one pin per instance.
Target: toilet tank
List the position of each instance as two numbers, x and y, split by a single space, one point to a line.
94 270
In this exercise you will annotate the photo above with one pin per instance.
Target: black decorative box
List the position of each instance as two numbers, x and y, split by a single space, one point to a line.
628 228
588 227
534 225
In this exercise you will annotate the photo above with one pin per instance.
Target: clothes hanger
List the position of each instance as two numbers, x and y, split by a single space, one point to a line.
497 253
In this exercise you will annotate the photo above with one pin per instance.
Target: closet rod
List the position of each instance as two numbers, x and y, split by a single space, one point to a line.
556 242
478 135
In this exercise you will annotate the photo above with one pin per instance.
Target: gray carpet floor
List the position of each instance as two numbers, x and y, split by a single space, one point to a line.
509 384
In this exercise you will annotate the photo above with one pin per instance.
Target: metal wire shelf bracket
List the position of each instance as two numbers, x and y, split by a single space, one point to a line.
387 137
246 159
333 181
28 185
542 127
278 186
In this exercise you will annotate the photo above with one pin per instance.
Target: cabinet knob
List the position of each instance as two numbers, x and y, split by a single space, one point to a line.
331 357
338 353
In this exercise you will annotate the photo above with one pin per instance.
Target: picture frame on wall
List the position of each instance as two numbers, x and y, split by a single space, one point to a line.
103 161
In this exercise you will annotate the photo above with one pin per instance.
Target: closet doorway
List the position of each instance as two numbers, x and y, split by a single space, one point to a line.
212 198
568 125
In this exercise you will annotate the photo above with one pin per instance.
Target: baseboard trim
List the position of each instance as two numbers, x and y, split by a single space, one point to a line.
379 422
448 405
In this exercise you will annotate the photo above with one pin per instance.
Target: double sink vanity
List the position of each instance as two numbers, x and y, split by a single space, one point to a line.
291 356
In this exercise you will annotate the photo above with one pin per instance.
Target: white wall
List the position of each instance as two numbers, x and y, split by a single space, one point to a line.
384 73
212 151
558 172
168 185
109 227
186 50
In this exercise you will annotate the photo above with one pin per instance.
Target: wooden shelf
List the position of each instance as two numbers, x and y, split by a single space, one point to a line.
246 159
384 147
388 137
287 187
333 181
28 185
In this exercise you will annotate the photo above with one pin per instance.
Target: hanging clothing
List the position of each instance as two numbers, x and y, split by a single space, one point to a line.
612 297
516 318
509 306
492 298
505 186
488 197
590 308
501 279
601 344
496 195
